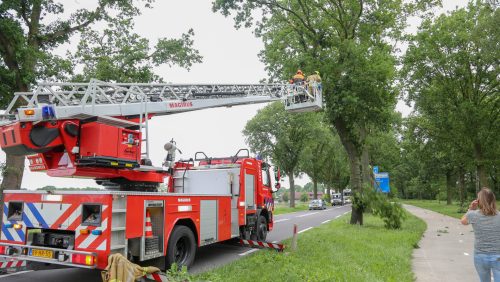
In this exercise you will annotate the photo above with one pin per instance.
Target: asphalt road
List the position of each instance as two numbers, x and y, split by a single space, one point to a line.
207 257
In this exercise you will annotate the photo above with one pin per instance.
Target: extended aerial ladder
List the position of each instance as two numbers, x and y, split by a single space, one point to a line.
97 129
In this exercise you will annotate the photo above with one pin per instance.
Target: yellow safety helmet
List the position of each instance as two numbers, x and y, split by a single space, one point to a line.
299 71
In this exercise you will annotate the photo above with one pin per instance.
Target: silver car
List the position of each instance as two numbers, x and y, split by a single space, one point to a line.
317 205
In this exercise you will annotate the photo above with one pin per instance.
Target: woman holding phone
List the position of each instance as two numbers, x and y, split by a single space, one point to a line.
486 224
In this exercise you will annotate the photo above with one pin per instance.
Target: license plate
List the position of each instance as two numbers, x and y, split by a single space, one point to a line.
42 253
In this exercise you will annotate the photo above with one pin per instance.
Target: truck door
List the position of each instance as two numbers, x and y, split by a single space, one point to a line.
250 189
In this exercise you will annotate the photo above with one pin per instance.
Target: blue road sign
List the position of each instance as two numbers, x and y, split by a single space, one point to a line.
382 182
375 169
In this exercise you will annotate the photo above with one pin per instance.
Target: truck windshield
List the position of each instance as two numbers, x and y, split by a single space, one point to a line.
266 180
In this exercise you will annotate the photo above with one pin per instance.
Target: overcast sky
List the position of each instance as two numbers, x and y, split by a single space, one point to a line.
229 56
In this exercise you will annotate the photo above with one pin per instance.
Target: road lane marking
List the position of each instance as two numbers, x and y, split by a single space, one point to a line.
338 216
280 220
466 254
307 214
309 228
346 212
248 252
326 221
274 242
15 273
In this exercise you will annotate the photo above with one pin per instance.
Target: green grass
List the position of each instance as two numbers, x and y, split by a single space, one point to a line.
284 207
336 251
452 210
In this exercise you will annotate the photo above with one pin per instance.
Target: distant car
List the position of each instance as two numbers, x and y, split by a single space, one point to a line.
317 205
336 199
348 200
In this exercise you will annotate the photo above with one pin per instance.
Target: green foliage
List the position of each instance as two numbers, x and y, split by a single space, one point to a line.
283 208
53 188
392 213
360 201
117 54
336 251
451 75
281 136
350 44
304 197
176 274
454 210
285 197
326 198
30 31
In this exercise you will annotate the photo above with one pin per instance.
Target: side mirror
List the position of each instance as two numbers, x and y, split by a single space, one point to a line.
277 178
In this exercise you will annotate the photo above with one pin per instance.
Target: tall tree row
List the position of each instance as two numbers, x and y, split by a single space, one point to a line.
451 74
349 42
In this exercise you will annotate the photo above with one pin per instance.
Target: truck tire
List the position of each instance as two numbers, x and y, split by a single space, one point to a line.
181 247
261 228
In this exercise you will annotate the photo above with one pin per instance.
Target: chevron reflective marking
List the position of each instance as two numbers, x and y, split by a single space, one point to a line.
90 240
50 212
6 234
91 237
36 215
12 263
74 219
62 221
29 217
102 246
26 220
259 244
16 234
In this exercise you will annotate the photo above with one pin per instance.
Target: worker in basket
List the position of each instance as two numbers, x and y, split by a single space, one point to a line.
314 82
298 78
299 81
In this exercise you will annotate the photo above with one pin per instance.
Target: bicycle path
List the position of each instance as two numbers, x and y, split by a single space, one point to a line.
446 250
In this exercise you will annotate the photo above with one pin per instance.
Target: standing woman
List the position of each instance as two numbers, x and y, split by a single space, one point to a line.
486 225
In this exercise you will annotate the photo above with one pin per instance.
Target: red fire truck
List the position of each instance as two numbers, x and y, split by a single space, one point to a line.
151 214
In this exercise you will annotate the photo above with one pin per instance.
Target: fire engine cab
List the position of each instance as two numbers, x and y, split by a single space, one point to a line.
157 215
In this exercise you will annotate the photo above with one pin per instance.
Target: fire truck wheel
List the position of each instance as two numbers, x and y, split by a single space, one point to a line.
181 247
261 228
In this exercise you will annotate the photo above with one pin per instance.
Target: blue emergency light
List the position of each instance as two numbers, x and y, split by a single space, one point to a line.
96 232
48 112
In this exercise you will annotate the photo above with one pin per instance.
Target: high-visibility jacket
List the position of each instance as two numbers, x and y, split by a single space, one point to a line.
314 77
298 78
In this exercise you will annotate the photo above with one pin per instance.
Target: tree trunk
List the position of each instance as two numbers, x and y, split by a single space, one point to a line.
482 179
449 187
13 172
365 162
315 189
292 189
356 185
354 167
461 185
14 165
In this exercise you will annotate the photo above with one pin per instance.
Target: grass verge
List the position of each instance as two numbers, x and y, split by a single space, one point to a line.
284 208
336 251
441 207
